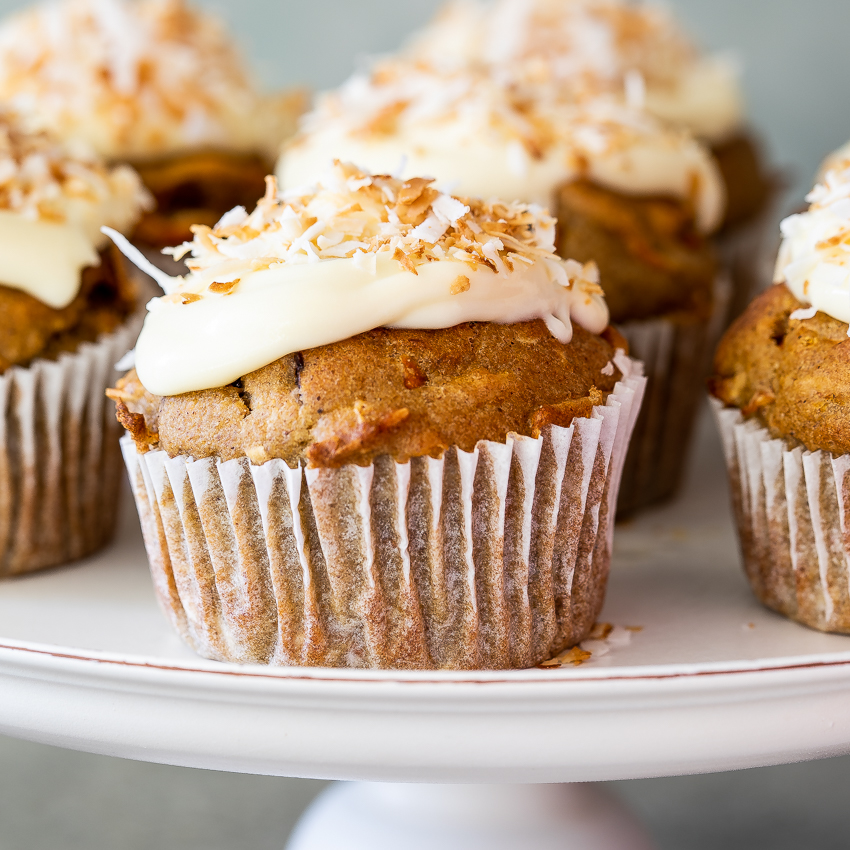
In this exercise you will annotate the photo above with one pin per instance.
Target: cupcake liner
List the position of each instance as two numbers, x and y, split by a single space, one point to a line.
792 508
59 459
496 558
676 351
748 251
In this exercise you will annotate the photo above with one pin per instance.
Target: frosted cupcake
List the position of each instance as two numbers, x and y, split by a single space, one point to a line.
154 83
781 387
379 426
66 316
637 52
631 194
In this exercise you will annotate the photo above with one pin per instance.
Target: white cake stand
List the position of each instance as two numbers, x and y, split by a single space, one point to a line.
710 682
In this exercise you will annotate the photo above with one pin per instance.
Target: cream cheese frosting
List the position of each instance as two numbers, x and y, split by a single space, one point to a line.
485 137
814 259
358 251
52 206
137 79
589 46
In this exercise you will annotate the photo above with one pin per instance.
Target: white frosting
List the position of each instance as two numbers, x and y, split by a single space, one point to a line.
591 46
43 259
137 78
814 259
311 268
52 206
277 311
482 138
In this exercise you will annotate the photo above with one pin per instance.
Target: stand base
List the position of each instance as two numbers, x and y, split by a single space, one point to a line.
373 816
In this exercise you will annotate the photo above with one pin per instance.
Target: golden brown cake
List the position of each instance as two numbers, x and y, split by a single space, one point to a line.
421 392
158 84
652 257
406 452
790 375
782 405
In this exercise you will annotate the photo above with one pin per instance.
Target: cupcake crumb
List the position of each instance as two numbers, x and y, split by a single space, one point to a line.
576 656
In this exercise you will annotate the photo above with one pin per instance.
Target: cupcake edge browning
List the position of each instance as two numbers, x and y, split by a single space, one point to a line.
790 374
416 393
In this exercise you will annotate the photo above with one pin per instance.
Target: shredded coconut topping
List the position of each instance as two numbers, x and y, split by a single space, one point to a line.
400 97
137 78
591 44
40 180
353 215
633 51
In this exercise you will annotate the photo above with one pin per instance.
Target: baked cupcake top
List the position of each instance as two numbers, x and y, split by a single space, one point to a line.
593 46
137 79
52 206
814 259
356 252
492 138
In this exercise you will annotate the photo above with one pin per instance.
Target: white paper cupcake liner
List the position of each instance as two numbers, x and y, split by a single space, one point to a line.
676 352
496 558
59 459
792 507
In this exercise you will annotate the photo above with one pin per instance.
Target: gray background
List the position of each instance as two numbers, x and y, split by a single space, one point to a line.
796 60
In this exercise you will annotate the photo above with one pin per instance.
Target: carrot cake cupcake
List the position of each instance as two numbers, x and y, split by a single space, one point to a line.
66 316
155 83
379 426
633 195
781 388
636 51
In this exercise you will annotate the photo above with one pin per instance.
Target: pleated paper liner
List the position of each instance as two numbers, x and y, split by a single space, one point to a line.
676 352
496 558
60 466
792 508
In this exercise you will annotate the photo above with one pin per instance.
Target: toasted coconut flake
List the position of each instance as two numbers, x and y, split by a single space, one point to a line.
461 284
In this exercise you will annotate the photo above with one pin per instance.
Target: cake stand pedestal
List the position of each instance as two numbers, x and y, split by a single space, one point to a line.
694 677
375 816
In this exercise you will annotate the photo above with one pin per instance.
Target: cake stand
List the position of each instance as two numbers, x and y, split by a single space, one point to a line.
694 676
